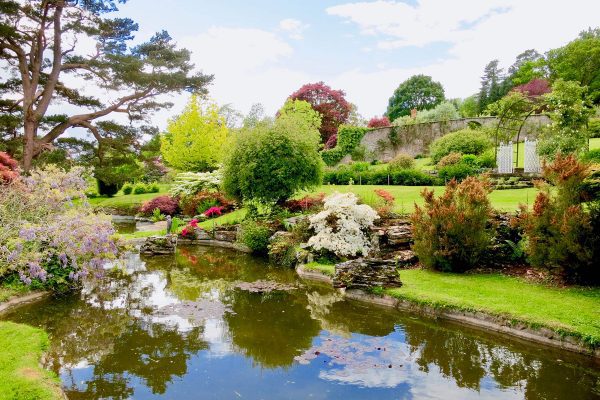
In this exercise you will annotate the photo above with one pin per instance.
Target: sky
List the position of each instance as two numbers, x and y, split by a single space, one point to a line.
262 51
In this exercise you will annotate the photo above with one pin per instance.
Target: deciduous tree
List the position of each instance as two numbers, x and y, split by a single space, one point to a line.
419 91
330 103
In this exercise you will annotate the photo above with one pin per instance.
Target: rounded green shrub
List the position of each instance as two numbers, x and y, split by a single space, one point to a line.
458 171
127 188
449 159
401 161
139 188
255 235
270 163
465 141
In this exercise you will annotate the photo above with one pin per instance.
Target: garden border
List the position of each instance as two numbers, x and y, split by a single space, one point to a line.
18 301
481 320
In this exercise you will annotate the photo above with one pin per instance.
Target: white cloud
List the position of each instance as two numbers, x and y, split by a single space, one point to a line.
476 31
248 66
293 27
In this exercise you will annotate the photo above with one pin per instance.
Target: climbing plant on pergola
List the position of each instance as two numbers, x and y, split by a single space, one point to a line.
512 112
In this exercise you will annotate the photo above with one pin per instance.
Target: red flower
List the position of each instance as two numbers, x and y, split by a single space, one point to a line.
194 223
184 232
211 212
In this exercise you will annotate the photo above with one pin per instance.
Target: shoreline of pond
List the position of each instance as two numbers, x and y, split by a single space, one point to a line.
478 319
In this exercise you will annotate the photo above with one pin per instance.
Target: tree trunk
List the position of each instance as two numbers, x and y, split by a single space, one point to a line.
30 129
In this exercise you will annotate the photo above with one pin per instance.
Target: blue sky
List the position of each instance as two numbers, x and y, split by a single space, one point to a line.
261 51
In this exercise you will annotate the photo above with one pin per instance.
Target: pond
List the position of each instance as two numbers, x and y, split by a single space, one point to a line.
187 327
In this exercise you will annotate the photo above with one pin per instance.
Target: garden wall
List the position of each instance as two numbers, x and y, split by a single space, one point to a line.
383 144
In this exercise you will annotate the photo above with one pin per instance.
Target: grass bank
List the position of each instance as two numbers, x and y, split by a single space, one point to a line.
21 376
574 311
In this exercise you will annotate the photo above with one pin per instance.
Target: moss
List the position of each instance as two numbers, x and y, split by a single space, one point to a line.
326 269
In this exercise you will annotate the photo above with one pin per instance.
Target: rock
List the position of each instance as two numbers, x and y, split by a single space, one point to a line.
293 221
405 257
261 286
226 236
156 245
304 256
399 235
281 235
365 273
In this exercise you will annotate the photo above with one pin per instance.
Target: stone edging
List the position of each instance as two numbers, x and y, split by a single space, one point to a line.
203 242
22 300
476 319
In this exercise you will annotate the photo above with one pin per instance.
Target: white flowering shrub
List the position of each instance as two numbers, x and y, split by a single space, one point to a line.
190 183
342 226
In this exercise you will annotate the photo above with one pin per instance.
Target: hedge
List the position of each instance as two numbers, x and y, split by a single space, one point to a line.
405 177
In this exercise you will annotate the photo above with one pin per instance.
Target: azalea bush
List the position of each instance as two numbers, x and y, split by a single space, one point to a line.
190 231
342 227
202 201
49 240
305 203
559 230
386 202
452 232
213 212
166 204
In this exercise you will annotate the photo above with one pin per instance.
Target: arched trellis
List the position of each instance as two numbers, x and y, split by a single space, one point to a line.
513 113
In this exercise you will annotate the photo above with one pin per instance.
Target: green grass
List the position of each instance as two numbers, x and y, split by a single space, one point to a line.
233 217
128 200
594 143
567 310
21 376
6 292
406 196
326 269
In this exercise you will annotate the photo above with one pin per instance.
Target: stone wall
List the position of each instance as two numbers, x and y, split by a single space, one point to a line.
383 144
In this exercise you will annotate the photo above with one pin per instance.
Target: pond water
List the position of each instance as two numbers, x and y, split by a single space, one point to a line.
186 327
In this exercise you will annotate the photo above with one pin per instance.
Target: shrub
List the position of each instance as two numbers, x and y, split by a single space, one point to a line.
348 138
466 141
108 189
152 187
342 227
559 231
255 235
306 203
379 122
269 163
166 204
139 188
592 156
282 250
48 240
401 161
9 168
487 159
157 216
190 183
412 177
594 127
202 201
449 159
452 232
458 171
213 212
408 177
387 202
127 188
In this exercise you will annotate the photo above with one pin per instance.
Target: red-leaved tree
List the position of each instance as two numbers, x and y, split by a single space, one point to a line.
534 88
9 168
331 104
379 122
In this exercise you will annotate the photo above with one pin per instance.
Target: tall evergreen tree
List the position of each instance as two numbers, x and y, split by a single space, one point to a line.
40 45
491 85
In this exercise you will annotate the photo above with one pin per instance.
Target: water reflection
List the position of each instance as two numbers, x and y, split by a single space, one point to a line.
129 338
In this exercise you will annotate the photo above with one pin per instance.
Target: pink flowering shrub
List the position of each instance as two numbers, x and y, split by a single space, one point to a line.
213 212
379 122
166 204
190 231
46 239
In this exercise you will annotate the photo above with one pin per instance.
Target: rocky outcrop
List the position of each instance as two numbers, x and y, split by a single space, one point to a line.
366 273
157 245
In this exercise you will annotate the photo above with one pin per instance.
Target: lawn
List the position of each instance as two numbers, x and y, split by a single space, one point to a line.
21 376
594 143
127 200
406 196
572 310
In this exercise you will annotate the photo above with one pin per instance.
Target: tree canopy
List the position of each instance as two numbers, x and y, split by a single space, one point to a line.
194 139
271 161
419 91
46 65
330 103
